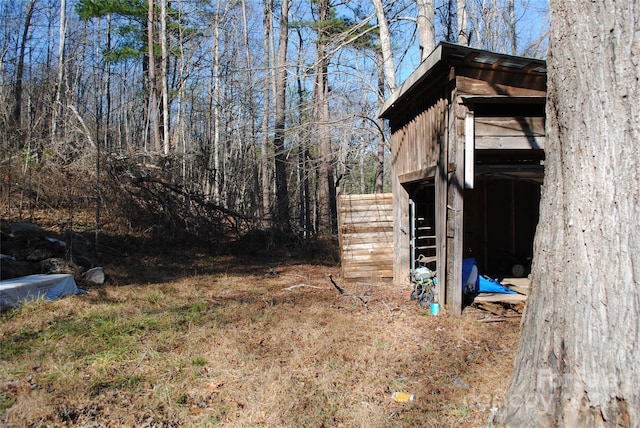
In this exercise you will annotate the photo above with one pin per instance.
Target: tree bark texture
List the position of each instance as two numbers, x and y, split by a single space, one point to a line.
62 37
265 176
380 149
578 358
17 107
463 22
153 84
282 193
164 77
325 183
426 28
511 10
386 50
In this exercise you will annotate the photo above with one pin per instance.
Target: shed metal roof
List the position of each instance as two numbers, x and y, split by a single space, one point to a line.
452 54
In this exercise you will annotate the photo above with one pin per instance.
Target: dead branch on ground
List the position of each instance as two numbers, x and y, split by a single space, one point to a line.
344 293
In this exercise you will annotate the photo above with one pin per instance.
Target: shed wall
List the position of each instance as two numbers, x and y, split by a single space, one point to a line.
476 81
416 149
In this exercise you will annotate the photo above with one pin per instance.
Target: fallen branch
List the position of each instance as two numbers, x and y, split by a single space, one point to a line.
196 197
343 293
485 320
336 285
305 286
388 308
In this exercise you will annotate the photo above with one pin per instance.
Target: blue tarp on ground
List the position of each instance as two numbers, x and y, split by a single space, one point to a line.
17 290
472 282
469 276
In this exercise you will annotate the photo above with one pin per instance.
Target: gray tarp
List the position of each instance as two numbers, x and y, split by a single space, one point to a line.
17 290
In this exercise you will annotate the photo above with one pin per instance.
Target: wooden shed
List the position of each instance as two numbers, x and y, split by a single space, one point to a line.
467 145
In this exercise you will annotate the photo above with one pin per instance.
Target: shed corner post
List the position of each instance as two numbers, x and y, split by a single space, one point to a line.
455 205
401 260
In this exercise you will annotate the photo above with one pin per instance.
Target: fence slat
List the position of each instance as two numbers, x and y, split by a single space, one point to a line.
365 225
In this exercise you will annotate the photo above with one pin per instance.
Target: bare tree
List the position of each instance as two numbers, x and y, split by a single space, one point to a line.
511 12
153 82
304 194
463 22
491 24
215 94
578 358
386 52
164 76
387 76
381 137
282 195
62 37
265 178
17 107
326 185
426 29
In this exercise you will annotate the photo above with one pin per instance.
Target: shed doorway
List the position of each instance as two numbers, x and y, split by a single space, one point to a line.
500 220
422 218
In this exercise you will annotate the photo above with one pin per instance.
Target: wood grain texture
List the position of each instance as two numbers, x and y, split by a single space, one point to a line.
365 226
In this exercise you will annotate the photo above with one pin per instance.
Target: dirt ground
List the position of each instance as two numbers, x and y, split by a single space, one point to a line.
190 339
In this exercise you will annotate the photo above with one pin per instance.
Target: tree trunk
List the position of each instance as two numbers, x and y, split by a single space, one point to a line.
463 22
303 151
380 148
164 77
153 87
249 154
386 78
264 139
216 99
511 9
17 107
62 36
426 30
321 92
385 46
107 89
578 358
282 193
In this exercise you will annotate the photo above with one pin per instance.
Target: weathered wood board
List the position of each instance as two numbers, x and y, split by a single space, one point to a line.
365 226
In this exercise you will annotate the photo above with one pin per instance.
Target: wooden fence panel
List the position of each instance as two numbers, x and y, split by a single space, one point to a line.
365 224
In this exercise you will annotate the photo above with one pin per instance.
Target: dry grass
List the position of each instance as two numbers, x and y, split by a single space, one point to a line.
226 342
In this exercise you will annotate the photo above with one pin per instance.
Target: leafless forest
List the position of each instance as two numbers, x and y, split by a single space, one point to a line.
212 117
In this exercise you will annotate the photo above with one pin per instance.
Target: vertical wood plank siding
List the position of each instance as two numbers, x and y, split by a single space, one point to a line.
416 145
365 226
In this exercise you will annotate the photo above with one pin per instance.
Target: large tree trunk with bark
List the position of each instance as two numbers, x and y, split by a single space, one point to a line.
577 362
